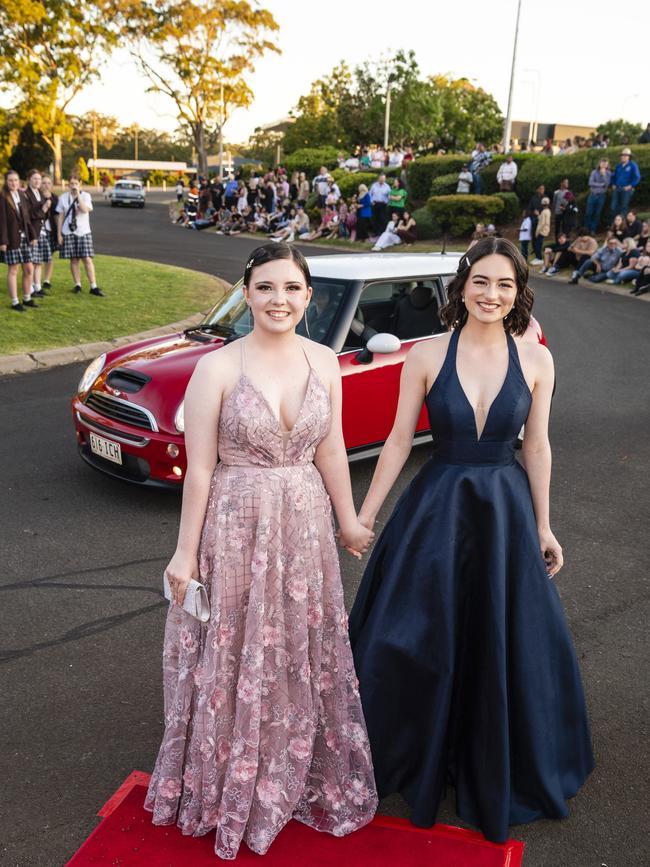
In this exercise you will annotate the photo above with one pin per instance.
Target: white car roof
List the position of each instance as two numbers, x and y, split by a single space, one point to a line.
383 266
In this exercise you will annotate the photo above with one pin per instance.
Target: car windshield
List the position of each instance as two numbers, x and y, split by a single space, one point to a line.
232 316
128 185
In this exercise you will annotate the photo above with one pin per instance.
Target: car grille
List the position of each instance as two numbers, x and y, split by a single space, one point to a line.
121 410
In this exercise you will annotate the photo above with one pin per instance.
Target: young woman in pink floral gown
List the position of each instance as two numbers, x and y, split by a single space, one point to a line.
263 721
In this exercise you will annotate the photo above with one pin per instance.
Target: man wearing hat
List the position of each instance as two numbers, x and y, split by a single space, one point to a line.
625 179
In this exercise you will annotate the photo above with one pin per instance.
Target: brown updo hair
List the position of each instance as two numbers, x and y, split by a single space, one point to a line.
454 313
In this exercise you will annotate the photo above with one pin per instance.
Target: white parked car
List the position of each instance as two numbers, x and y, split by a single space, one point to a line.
128 192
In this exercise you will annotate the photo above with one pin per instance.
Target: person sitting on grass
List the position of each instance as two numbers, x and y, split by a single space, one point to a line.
600 263
407 229
579 252
389 236
642 281
73 233
297 226
633 226
552 253
631 263
328 221
351 219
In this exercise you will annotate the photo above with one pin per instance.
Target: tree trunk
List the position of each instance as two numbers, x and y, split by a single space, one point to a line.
199 144
58 159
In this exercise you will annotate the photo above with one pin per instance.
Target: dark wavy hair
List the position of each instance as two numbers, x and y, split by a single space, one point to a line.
272 252
454 313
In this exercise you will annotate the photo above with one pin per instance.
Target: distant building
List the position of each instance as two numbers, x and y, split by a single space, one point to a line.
120 168
524 130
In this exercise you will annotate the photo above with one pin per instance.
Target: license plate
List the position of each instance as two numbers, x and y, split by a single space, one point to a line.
105 448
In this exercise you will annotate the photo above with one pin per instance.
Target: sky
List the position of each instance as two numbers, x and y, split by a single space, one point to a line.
570 68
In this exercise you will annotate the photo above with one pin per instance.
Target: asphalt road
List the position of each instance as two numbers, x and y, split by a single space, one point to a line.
82 556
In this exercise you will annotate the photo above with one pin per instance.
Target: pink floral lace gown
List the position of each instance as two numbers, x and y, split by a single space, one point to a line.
263 720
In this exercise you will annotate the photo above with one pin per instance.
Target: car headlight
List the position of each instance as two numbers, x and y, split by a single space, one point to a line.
179 418
91 373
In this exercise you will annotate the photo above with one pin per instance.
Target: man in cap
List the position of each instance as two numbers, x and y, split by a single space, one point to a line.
625 179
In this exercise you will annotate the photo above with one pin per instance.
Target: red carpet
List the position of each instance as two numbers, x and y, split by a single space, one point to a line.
126 838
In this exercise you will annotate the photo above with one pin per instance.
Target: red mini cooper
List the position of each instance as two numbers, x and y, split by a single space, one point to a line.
370 309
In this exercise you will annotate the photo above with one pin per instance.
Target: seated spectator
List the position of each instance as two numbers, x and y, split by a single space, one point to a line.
465 180
642 281
570 213
618 228
397 197
600 263
645 234
542 230
351 220
507 175
407 229
552 254
298 225
328 222
477 234
579 252
633 226
389 236
625 270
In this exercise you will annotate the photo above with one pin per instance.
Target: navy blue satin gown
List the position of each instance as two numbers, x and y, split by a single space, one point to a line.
467 669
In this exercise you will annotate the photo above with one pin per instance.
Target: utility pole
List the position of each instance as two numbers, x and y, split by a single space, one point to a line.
95 173
508 121
136 130
387 113
221 119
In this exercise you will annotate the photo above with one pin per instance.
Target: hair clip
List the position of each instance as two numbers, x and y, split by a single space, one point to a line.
250 263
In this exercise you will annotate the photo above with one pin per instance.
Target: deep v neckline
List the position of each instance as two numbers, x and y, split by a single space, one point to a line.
478 436
284 432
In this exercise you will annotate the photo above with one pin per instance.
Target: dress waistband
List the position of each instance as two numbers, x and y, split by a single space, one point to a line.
266 467
476 453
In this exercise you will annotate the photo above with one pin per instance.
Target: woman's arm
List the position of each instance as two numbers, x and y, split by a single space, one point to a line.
412 390
331 461
202 408
536 455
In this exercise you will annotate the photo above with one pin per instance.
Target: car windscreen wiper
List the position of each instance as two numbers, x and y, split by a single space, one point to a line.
211 329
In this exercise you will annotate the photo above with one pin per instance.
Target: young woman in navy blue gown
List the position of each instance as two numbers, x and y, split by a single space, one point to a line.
467 669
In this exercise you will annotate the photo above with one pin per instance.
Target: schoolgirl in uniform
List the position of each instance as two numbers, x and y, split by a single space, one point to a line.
74 236
40 207
17 240
50 228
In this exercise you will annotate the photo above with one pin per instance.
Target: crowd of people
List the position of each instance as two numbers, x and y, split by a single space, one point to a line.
34 224
279 205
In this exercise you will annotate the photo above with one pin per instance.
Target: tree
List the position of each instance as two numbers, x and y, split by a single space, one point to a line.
82 169
620 132
197 52
469 114
49 51
30 152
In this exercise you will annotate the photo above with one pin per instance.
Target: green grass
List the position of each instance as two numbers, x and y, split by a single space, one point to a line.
139 295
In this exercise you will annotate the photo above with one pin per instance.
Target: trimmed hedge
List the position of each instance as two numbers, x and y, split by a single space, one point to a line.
444 185
459 214
426 230
511 207
421 172
309 160
349 181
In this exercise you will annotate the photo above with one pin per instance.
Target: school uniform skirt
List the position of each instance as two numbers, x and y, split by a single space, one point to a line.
19 255
77 247
42 252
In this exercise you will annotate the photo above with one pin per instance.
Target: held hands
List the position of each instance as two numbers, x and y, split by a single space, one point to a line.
355 539
180 571
551 552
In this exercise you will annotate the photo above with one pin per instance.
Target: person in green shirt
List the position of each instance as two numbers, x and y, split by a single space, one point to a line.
397 198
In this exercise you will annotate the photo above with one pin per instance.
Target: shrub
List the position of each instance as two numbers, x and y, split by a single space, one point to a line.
156 178
511 207
444 185
309 160
349 182
459 214
426 229
421 173
82 169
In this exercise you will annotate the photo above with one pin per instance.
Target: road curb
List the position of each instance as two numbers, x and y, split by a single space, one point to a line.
622 291
25 361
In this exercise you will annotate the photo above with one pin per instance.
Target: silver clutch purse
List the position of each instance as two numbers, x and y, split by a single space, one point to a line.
196 599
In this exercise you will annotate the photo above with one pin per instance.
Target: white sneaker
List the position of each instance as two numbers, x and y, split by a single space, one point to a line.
611 282
553 270
536 261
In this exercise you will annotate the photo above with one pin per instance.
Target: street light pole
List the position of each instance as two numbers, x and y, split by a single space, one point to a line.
387 114
95 178
221 136
135 142
508 121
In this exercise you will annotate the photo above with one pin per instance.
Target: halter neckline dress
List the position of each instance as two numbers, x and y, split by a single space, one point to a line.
467 670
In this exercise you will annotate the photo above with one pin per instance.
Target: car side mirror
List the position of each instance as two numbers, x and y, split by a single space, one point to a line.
382 343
